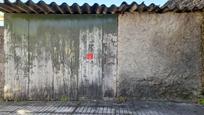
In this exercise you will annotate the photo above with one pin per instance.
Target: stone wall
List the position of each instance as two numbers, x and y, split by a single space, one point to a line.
159 56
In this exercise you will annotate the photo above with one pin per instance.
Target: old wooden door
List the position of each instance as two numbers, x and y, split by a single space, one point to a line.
53 57
97 58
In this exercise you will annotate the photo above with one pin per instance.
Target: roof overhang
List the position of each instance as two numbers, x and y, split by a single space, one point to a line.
41 7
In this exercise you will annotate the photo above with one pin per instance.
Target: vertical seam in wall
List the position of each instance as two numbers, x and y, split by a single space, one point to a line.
117 74
102 60
3 68
53 76
78 68
28 59
202 55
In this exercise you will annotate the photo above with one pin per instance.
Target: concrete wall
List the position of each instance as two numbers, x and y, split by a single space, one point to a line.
46 56
159 55
202 78
1 62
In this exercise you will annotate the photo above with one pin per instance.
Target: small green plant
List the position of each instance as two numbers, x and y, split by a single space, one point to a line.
78 102
64 98
121 99
1 99
17 100
201 101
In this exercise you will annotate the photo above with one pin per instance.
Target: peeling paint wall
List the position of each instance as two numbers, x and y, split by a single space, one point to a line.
1 62
159 56
46 56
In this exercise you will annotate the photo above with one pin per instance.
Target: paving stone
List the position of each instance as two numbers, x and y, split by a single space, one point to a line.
100 108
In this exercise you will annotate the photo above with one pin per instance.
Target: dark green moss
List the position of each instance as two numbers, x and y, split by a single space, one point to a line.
201 101
64 98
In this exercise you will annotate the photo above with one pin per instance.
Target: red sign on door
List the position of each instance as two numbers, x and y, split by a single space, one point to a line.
89 56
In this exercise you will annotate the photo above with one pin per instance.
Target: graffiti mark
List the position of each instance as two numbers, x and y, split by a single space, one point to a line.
89 56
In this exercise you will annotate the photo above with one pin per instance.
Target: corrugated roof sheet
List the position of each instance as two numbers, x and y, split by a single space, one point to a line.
185 3
41 7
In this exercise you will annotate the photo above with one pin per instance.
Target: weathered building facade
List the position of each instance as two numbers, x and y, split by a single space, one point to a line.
98 52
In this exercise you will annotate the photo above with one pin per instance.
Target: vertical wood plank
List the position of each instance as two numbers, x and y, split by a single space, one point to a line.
90 72
40 62
109 65
54 58
16 53
110 46
97 77
65 82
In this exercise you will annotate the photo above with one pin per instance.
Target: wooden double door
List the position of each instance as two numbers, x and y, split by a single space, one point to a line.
52 57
